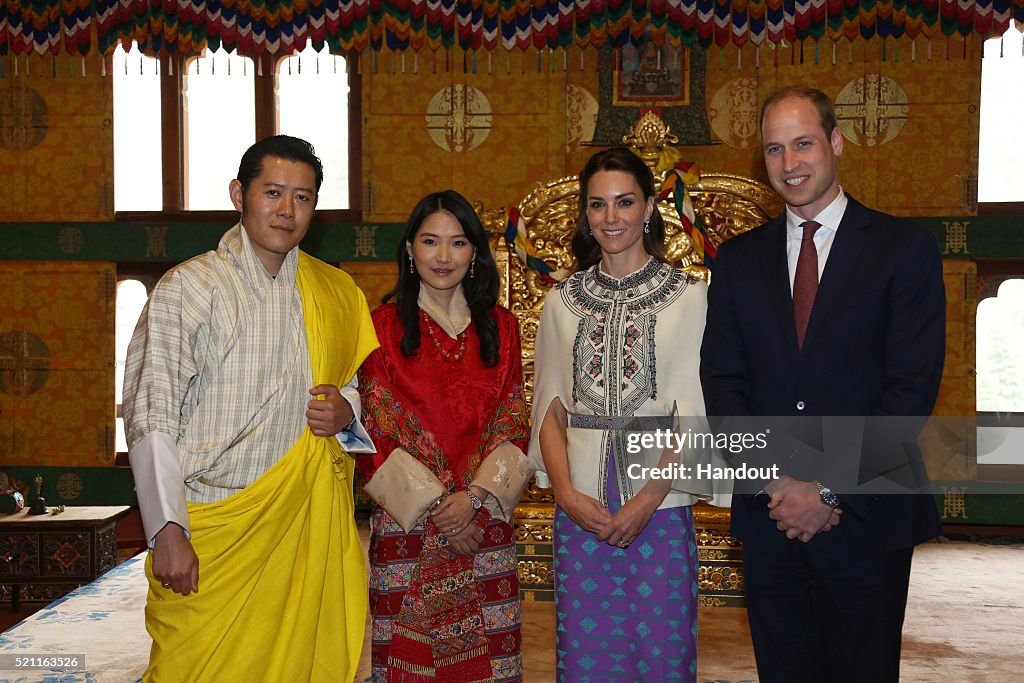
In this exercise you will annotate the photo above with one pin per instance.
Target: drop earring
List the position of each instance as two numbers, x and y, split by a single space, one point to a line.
472 268
647 226
412 268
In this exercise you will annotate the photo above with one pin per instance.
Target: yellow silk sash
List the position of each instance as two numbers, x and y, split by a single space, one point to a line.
282 580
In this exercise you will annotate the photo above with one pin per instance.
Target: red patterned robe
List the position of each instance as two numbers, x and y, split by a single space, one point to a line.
437 615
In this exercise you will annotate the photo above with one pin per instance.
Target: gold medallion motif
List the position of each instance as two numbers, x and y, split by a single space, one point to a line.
69 486
733 113
24 363
459 118
24 118
871 110
580 117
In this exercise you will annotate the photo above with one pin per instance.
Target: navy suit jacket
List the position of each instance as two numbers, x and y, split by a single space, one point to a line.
875 345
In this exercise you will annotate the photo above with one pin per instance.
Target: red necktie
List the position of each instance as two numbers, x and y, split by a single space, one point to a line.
805 282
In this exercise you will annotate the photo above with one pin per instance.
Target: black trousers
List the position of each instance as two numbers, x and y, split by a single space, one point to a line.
826 619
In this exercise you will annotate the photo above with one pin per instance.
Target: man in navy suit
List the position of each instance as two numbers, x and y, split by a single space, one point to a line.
830 309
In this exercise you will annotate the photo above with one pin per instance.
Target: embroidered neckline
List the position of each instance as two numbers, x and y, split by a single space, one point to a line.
453 357
632 280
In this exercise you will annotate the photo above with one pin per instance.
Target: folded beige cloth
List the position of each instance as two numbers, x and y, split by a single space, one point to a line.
405 488
504 474
452 316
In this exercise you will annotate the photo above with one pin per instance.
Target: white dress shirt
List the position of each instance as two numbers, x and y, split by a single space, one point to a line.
830 218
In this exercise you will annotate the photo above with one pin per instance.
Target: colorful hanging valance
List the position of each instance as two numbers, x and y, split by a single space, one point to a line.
257 27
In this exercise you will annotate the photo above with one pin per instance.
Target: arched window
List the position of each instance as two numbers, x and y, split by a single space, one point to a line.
1000 382
1000 350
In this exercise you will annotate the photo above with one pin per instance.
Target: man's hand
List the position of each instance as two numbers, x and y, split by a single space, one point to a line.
175 563
797 509
587 512
329 415
629 520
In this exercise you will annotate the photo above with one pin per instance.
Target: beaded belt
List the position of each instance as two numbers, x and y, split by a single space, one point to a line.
623 423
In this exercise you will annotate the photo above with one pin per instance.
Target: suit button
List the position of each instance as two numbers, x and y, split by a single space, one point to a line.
800 405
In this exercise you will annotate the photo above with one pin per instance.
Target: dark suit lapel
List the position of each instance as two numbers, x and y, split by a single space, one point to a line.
849 242
776 274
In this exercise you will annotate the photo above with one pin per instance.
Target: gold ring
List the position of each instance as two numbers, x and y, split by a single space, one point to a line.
622 544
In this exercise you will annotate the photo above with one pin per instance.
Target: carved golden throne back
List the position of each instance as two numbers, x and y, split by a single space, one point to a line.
728 206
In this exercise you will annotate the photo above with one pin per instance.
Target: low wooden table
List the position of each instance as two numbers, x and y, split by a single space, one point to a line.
51 555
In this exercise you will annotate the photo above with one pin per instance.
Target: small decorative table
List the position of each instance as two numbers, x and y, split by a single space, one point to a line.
47 556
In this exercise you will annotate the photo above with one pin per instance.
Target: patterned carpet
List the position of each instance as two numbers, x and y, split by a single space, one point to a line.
964 621
102 622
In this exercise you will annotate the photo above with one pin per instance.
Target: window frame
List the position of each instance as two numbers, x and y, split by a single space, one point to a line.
172 146
1001 208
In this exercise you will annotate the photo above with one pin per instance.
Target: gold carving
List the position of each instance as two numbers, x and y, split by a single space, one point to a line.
649 136
535 572
711 577
708 537
534 532
712 517
714 555
711 601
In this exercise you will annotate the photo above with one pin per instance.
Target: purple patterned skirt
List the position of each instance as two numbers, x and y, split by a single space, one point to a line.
626 614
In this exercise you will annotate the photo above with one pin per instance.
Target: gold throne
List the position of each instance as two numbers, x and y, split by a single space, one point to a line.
728 206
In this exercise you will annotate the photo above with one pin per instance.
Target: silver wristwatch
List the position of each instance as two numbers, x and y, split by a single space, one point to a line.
827 497
477 503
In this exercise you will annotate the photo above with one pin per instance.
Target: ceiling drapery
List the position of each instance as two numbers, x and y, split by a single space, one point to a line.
257 27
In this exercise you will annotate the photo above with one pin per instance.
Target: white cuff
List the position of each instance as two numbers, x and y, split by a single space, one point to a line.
158 484
355 439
